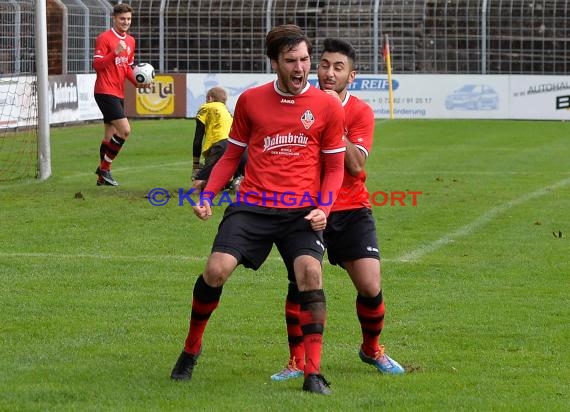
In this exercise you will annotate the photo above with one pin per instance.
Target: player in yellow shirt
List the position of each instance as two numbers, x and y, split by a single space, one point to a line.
213 123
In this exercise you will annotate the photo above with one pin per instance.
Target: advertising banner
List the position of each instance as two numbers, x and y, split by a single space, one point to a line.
424 96
434 96
540 97
18 106
235 84
415 96
63 99
88 109
166 98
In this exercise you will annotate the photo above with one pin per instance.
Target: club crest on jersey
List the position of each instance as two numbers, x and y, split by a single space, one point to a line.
307 119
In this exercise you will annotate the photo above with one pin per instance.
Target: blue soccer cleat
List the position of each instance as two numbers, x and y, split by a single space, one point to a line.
382 362
289 372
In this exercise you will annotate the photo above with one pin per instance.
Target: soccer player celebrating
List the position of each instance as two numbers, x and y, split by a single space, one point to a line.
350 235
294 135
113 59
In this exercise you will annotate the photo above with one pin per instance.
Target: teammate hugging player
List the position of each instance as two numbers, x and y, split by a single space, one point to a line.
350 235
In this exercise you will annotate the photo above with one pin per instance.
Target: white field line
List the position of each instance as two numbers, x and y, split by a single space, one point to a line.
96 256
186 165
411 256
485 218
174 165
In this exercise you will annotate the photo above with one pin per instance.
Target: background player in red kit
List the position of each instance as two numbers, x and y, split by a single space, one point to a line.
294 136
113 59
350 235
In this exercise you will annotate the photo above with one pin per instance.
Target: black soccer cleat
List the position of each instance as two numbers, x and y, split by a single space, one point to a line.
184 367
106 176
316 383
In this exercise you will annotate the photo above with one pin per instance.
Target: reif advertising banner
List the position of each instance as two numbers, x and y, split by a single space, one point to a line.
435 96
424 96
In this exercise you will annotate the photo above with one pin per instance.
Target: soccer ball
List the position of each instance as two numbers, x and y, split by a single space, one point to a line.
144 73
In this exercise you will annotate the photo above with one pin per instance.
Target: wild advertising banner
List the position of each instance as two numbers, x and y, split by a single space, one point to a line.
166 98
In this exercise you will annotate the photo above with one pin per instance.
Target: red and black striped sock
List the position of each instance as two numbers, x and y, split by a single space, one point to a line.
112 149
294 332
312 320
370 312
102 149
205 301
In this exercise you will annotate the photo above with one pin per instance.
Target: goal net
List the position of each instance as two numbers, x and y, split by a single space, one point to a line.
18 92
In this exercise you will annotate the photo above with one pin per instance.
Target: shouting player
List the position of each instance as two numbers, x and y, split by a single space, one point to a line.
294 136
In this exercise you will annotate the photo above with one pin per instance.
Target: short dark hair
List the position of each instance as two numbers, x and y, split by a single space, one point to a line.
340 46
284 38
122 8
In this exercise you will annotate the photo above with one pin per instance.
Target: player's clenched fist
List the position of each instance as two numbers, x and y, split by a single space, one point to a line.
122 46
204 211
318 219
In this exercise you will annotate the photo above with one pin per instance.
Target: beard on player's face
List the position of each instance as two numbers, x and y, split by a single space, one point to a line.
294 80
336 83
292 67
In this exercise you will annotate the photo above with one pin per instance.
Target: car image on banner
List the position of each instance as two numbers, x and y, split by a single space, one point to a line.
473 97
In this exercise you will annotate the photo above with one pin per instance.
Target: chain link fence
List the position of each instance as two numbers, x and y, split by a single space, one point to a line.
227 36
427 36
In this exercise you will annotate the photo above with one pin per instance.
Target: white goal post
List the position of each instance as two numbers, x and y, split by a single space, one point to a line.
44 149
24 103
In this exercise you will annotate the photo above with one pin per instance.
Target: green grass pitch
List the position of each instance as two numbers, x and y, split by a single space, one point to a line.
96 282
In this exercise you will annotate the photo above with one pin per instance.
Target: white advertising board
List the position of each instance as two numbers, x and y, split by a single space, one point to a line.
435 96
415 96
198 84
540 97
88 109
425 96
18 106
63 99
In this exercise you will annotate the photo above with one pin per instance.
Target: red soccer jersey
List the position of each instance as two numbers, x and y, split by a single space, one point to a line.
286 136
360 126
112 70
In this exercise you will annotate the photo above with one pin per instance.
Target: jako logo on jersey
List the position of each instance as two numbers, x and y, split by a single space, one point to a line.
307 119
271 143
288 101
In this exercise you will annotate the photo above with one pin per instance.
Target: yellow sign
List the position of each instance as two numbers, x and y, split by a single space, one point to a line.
157 99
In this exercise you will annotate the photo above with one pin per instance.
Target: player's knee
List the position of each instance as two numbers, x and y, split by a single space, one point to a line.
311 278
215 277
218 270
